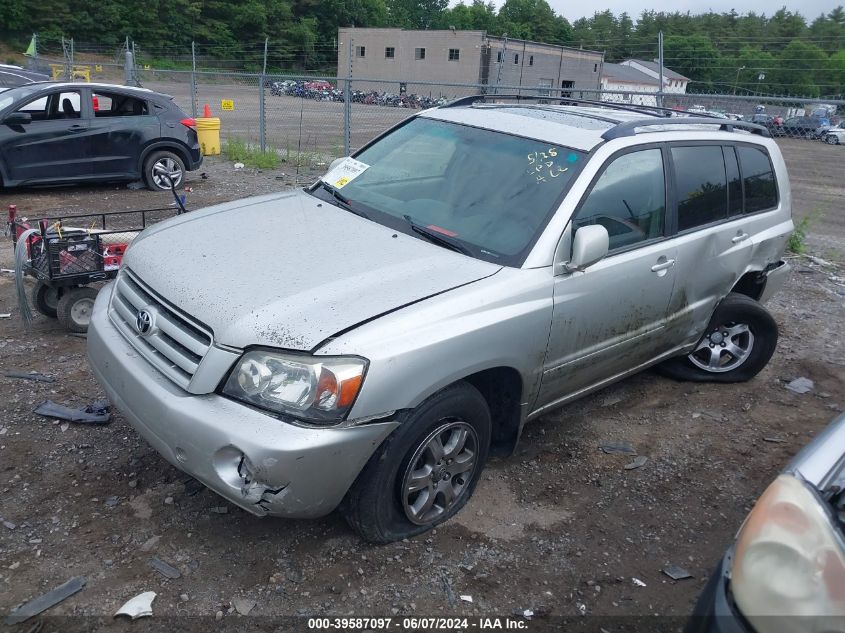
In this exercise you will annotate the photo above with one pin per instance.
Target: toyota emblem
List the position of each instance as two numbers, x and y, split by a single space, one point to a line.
144 322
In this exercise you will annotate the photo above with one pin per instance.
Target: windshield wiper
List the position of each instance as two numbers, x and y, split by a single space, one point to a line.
437 237
342 202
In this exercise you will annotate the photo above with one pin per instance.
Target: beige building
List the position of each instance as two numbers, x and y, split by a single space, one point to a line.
426 62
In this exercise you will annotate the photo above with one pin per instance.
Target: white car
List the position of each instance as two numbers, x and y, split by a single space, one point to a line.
835 135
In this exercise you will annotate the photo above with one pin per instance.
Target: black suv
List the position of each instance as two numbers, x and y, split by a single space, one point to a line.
53 133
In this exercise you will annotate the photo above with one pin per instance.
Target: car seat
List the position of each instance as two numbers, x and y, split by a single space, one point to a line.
67 110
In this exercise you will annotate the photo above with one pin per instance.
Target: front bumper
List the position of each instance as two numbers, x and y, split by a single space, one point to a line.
263 465
715 612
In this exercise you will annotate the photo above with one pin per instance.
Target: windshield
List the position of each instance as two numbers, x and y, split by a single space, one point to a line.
489 192
7 97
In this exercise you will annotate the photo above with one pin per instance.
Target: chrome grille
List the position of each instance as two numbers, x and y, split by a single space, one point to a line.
175 345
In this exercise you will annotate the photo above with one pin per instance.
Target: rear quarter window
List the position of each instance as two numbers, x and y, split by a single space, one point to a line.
758 177
701 184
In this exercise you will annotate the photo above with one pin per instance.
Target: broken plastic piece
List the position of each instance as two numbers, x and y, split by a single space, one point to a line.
95 413
45 601
638 461
618 449
29 376
800 385
140 606
638 582
676 573
243 605
466 598
165 569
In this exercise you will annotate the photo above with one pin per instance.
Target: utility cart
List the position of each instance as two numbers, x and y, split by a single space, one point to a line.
71 256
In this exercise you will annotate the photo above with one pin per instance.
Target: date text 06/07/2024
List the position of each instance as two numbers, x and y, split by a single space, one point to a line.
418 624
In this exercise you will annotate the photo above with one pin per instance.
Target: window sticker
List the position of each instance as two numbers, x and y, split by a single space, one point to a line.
345 173
543 165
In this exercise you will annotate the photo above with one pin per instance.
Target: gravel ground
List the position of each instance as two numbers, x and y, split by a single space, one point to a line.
560 527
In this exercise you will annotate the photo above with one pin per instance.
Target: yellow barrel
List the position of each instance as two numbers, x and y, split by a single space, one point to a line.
208 131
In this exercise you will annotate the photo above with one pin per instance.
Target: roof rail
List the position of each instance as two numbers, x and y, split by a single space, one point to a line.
629 128
469 100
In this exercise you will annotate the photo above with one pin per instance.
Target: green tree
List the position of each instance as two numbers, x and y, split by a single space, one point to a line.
693 56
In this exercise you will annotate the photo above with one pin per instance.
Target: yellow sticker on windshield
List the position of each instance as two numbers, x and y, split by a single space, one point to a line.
543 165
341 181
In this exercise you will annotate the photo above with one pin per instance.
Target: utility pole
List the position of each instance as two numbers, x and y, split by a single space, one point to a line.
347 102
262 112
193 79
501 61
660 70
736 81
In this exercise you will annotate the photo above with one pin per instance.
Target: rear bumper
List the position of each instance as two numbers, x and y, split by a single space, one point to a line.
714 611
262 464
194 159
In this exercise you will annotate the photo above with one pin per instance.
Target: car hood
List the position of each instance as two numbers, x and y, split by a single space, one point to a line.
289 270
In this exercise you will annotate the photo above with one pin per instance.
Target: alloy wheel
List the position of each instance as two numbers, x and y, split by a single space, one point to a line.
725 348
173 170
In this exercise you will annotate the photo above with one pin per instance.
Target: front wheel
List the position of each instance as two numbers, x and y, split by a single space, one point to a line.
832 139
426 471
75 308
738 343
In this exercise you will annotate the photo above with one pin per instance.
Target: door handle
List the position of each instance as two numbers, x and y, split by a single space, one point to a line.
663 266
739 238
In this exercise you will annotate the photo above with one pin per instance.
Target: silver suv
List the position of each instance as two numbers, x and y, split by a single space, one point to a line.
367 342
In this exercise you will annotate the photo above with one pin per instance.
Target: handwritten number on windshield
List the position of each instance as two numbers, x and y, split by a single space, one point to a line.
542 164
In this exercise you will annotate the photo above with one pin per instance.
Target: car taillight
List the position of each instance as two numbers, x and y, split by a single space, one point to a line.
188 122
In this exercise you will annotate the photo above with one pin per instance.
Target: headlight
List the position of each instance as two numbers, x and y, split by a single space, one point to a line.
790 561
317 389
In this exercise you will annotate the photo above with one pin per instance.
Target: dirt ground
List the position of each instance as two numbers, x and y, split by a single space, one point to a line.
560 527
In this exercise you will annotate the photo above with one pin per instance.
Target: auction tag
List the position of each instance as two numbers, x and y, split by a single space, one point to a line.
345 173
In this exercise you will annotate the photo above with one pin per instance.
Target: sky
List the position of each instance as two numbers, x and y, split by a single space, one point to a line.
572 10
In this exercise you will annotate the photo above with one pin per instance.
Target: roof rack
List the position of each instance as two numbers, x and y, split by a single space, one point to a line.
629 128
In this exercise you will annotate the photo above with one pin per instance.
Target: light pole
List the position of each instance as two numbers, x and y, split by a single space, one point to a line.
738 70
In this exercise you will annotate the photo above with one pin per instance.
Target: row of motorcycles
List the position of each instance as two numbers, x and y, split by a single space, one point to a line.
324 91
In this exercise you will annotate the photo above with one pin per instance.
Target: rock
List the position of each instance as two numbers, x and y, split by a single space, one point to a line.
243 605
637 463
676 573
218 615
800 385
112 501
168 501
150 543
165 569
133 484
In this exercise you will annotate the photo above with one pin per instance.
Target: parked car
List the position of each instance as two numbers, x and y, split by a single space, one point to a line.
786 570
13 76
471 269
53 133
835 135
803 127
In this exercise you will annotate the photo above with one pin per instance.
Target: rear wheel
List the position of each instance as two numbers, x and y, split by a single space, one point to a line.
161 165
831 139
45 299
426 471
737 344
75 307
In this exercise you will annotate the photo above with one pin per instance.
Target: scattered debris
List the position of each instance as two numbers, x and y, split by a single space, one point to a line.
32 375
134 186
193 487
676 573
8 524
638 461
818 261
527 614
466 598
239 165
98 412
220 510
637 582
140 606
78 334
243 606
112 501
6 315
447 587
45 601
618 449
7 270
165 569
775 440
800 385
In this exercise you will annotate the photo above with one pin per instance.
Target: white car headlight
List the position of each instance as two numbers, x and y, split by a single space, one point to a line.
788 570
317 389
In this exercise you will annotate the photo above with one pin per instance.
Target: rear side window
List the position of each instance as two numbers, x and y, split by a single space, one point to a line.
701 185
628 199
107 104
761 192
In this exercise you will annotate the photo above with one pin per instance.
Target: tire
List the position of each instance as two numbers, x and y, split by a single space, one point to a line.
45 299
75 307
375 506
168 160
831 139
751 331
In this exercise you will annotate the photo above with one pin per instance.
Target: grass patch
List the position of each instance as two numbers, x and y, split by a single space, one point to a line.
239 151
798 240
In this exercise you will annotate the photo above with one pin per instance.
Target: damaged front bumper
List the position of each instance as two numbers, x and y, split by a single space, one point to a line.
263 465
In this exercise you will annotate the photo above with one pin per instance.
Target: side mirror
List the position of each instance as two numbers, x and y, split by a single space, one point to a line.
18 118
589 246
336 162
